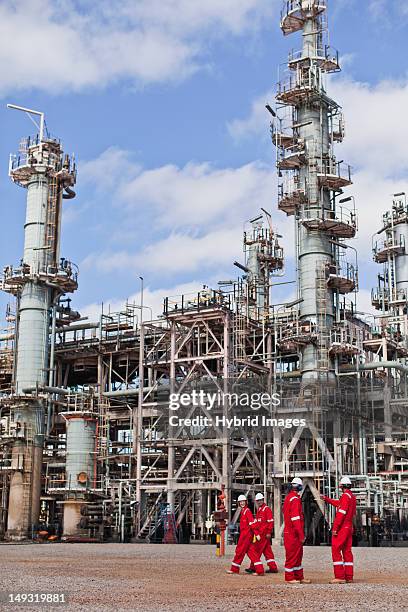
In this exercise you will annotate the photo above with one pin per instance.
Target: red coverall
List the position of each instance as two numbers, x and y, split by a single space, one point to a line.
293 536
247 529
343 563
264 519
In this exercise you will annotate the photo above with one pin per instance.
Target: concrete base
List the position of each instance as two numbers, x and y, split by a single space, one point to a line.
72 516
25 490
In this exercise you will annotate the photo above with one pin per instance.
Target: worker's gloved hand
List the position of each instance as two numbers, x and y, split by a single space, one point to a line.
258 537
334 533
269 536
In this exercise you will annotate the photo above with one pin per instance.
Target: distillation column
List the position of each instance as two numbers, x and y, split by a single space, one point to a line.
391 298
264 258
37 283
312 181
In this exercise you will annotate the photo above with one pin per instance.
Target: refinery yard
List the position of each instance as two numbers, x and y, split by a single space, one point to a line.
88 454
116 577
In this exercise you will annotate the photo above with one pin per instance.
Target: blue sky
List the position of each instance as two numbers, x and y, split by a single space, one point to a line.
162 102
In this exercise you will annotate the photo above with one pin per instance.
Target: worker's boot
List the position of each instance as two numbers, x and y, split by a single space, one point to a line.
293 582
249 570
349 580
272 571
305 581
337 581
231 572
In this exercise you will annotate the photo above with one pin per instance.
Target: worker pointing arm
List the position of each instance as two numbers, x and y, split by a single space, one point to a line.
342 506
342 510
342 532
329 500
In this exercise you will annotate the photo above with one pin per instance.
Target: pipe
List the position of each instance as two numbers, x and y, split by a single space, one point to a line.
375 366
9 336
77 327
52 366
59 330
121 393
45 389
69 193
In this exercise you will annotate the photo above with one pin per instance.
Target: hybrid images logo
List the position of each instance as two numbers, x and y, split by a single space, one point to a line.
219 402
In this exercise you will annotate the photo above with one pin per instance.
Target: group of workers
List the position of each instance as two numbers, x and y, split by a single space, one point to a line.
256 535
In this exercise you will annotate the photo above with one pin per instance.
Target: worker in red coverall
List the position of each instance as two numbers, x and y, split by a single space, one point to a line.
342 533
293 534
264 519
248 530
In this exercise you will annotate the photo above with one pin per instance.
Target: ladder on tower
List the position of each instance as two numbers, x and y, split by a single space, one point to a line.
239 331
51 223
102 442
321 311
312 188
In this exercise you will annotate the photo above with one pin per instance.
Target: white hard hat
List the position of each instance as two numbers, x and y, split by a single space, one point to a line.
345 481
297 481
242 498
259 496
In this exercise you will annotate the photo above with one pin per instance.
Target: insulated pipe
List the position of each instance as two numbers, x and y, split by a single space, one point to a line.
4 337
42 389
76 327
375 366
51 372
121 393
69 193
127 392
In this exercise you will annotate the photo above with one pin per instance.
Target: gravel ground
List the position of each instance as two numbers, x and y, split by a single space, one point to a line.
179 577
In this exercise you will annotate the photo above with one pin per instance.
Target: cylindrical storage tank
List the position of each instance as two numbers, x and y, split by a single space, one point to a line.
80 457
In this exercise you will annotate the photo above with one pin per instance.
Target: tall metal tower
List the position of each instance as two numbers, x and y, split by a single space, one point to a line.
264 259
390 249
38 283
308 126
389 343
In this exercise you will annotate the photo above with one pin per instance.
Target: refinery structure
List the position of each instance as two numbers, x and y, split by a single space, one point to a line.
87 449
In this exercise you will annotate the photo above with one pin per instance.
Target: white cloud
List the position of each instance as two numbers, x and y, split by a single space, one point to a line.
198 193
364 305
257 121
378 8
175 253
194 214
179 16
108 170
376 130
75 45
